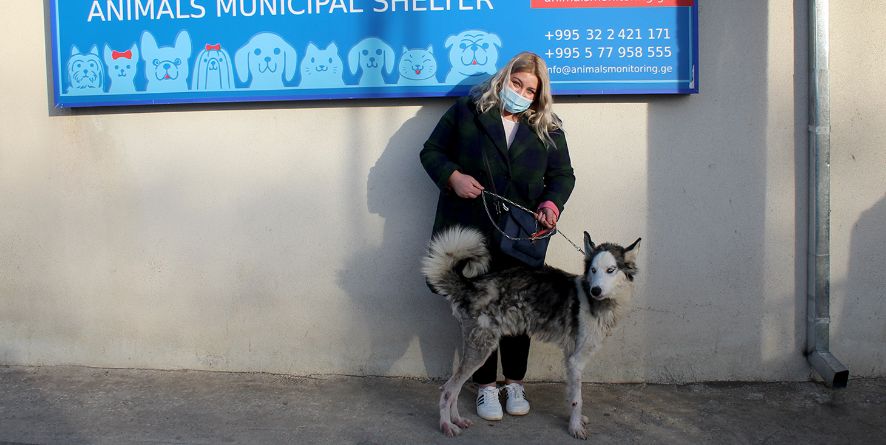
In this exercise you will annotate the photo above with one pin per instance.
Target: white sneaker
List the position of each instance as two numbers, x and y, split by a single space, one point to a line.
517 405
488 406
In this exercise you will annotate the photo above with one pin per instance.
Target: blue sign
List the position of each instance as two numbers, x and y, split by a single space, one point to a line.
128 52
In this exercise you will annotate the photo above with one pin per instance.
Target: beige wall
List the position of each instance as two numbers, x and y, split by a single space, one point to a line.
285 237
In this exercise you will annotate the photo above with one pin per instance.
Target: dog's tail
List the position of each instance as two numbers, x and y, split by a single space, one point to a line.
455 256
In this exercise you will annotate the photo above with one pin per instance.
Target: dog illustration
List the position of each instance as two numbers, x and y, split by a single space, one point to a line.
473 55
166 67
577 312
268 60
122 66
86 73
371 55
322 68
417 67
212 69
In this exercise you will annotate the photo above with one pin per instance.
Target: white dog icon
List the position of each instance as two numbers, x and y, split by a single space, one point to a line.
268 60
371 55
473 55
213 70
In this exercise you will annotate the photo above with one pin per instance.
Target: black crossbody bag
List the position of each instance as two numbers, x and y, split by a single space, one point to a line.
517 233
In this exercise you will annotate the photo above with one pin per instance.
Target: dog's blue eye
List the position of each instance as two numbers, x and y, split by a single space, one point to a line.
463 46
378 52
178 62
127 66
312 60
257 52
276 51
156 62
485 46
330 60
365 52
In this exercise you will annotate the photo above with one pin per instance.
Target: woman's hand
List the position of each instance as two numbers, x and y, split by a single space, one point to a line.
546 217
465 186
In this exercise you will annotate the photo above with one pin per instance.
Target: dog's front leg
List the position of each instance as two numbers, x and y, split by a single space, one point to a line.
575 364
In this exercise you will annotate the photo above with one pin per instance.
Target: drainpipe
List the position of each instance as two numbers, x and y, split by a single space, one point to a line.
818 319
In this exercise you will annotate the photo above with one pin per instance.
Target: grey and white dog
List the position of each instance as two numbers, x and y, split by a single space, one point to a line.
574 311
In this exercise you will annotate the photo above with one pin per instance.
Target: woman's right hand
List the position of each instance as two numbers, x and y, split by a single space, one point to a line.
465 186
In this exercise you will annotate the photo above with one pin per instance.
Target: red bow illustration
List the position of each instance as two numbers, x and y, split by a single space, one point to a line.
216 47
125 54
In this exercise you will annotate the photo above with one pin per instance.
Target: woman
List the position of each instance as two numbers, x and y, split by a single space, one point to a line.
509 119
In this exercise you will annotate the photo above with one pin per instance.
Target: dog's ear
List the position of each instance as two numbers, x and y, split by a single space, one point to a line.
390 59
431 49
494 39
149 45
290 60
354 57
632 251
134 50
74 50
451 41
107 53
589 245
94 50
241 61
183 43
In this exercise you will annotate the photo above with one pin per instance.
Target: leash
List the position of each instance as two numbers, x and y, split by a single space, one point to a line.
541 234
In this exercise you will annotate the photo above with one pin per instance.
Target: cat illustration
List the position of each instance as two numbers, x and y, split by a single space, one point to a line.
86 73
122 66
322 68
418 67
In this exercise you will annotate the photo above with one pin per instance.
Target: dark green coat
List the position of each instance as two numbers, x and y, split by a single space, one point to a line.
537 174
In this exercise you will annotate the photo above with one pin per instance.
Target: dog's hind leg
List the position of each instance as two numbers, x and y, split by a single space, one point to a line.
478 345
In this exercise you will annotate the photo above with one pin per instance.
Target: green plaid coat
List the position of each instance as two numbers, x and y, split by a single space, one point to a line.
527 173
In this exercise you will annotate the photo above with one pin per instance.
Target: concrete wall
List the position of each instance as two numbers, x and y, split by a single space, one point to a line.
285 237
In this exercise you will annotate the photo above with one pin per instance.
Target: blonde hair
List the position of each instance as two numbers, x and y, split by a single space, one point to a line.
540 114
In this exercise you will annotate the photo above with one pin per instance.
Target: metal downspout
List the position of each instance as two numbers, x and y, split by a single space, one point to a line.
818 320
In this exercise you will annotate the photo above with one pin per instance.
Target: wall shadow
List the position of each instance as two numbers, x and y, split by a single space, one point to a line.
393 309
863 306
706 207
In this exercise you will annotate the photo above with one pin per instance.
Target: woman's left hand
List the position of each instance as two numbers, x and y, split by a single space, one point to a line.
546 217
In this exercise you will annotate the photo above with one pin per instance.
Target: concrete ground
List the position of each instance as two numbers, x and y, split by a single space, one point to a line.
74 405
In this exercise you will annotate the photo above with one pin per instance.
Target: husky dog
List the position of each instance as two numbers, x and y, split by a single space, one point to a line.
574 311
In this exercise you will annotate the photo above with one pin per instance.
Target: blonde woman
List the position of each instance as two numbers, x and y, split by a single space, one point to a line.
508 118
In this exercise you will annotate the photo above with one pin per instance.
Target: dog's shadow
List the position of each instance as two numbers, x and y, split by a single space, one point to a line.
393 310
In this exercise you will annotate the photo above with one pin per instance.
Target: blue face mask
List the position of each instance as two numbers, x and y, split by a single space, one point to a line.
513 102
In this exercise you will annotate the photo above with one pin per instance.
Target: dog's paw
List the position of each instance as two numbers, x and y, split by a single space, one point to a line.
463 423
579 432
450 430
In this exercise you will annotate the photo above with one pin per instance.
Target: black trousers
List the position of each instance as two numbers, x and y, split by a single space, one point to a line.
514 357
